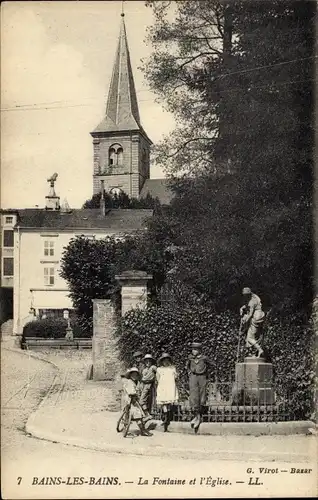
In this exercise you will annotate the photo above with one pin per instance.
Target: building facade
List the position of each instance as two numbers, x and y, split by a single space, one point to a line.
31 278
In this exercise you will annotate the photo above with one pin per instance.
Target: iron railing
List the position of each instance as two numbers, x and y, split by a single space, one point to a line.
228 402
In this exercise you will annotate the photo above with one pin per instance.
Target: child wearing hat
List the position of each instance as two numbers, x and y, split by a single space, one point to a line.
197 367
167 391
130 397
148 379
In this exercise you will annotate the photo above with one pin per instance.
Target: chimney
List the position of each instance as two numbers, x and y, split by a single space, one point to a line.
102 199
52 201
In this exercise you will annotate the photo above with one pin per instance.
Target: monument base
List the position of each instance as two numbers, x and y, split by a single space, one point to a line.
253 382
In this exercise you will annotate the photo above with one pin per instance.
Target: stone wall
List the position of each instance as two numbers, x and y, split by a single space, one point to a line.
134 286
131 174
106 363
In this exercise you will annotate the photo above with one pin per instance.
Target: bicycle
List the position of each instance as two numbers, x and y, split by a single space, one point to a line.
125 419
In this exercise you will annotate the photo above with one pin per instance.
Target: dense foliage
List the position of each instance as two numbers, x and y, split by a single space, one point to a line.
121 200
239 78
290 347
90 266
50 328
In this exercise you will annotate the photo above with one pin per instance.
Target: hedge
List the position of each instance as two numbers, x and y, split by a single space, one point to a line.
289 345
51 328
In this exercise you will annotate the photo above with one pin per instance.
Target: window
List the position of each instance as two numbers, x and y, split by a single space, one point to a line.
49 276
115 155
9 220
112 156
8 238
120 156
8 266
48 248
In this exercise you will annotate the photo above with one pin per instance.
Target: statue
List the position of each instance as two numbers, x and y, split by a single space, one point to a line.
252 318
69 331
52 179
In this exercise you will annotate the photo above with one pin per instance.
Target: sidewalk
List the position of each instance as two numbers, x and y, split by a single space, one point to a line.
79 417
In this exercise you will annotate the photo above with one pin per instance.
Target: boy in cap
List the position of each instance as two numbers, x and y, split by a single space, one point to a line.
197 367
130 397
148 379
253 318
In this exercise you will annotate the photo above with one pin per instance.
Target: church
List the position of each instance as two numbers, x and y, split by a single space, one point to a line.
33 240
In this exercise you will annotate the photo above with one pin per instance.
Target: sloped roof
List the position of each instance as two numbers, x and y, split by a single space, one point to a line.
117 220
157 188
122 113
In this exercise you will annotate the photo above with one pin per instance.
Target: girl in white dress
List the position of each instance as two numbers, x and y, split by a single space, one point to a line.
167 391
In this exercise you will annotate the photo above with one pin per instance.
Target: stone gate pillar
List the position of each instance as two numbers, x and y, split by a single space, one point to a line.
133 289
106 363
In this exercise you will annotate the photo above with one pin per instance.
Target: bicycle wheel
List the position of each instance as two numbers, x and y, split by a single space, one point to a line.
121 421
127 424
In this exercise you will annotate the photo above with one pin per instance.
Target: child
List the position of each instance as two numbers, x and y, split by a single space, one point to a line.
137 361
148 379
197 366
130 395
167 392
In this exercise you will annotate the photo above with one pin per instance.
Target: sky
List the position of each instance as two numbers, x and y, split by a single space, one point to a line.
56 65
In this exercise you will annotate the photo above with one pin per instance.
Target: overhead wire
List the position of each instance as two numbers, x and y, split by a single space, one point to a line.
30 107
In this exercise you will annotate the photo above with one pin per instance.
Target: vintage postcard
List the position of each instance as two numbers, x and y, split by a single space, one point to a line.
158 317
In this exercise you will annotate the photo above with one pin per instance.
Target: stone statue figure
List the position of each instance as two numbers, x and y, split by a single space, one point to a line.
252 318
52 179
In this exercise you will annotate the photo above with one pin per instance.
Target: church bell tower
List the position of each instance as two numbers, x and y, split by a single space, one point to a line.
121 146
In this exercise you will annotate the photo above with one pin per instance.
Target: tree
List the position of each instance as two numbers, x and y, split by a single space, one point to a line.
121 200
90 266
181 48
245 136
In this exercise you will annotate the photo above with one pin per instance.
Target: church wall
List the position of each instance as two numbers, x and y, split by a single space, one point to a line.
121 181
133 163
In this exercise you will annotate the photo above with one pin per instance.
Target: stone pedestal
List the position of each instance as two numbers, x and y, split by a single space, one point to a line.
253 382
133 289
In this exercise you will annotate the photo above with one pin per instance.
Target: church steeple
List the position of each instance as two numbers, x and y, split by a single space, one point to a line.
122 111
121 146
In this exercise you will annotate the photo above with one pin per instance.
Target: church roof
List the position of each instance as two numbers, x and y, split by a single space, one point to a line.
157 188
115 221
122 113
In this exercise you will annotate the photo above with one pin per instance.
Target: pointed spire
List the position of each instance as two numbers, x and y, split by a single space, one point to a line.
122 111
65 207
